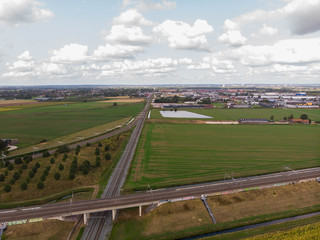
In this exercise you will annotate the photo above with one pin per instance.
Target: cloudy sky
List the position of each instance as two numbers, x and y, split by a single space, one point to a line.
159 42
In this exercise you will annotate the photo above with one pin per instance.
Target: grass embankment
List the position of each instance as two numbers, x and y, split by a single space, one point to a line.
62 186
236 114
190 218
33 125
175 154
50 230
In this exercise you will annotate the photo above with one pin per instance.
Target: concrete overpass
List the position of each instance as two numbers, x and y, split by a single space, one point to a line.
155 196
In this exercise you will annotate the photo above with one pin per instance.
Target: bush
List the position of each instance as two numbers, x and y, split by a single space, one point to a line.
107 156
45 172
2 177
52 161
31 174
100 144
6 172
106 148
98 163
63 149
45 154
97 151
12 181
43 177
24 186
34 170
71 176
61 167
16 175
48 168
85 171
24 166
10 167
18 160
88 144
37 165
28 179
40 185
27 159
57 176
7 188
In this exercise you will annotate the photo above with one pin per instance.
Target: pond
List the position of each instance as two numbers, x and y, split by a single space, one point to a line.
182 114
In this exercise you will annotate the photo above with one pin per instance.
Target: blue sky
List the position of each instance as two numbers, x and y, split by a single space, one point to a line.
159 42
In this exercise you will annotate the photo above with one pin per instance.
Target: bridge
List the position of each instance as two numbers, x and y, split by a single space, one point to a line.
154 196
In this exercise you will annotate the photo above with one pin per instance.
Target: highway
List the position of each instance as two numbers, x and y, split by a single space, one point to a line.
100 223
154 196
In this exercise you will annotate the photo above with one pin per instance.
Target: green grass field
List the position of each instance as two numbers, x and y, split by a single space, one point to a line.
31 125
172 154
236 114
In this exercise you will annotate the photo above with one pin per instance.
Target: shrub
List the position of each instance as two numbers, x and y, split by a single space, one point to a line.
85 171
45 154
2 177
37 165
34 170
20 170
88 144
24 166
98 163
71 176
10 167
106 148
61 167
43 177
40 185
27 159
18 160
28 179
57 176
97 151
12 181
6 172
107 156
63 149
52 161
24 186
16 175
100 144
7 188
31 174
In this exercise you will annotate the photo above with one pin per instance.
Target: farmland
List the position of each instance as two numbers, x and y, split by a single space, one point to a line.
32 125
236 114
173 154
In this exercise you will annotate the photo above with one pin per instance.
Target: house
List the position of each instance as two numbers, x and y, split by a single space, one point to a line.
253 121
296 121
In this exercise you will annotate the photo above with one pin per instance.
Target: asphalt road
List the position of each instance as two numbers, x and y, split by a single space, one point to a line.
118 202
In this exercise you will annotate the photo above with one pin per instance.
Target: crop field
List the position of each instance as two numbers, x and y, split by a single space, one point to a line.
32 125
173 154
236 114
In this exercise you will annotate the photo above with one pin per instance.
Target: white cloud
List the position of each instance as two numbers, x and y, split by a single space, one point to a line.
290 52
16 12
132 17
128 35
267 30
232 38
181 35
23 64
147 5
302 15
109 51
213 63
71 53
50 69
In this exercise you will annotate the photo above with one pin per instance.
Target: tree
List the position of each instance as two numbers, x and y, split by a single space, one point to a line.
43 178
3 144
61 167
115 104
106 148
16 175
88 144
37 165
290 117
10 167
24 166
97 151
45 154
40 185
24 186
63 149
57 176
71 176
18 160
7 188
98 163
271 117
28 179
304 116
34 170
285 118
85 171
27 159
99 144
107 156
52 161
31 174
2 177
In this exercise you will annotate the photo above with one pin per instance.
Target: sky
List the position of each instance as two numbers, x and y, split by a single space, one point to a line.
147 42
